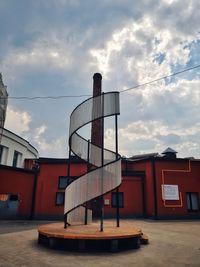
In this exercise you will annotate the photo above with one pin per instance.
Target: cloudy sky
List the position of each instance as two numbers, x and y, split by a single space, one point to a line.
53 48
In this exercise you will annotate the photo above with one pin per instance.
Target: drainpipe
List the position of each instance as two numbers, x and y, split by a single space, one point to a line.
154 188
143 196
36 171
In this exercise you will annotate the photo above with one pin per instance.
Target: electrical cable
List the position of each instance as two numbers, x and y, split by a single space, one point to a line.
161 78
46 97
121 91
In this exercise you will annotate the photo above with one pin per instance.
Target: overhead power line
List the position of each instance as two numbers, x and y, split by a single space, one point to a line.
159 79
121 91
46 97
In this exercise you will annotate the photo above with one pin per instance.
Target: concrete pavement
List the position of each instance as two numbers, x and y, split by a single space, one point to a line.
172 243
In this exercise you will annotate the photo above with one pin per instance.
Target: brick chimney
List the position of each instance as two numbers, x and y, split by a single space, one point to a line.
96 134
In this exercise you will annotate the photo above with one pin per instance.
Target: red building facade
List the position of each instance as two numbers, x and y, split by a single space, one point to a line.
152 187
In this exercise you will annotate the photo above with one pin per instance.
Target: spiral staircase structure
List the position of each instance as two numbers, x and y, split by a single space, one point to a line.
104 174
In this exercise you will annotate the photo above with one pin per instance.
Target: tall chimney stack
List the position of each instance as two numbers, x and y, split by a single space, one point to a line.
96 135
96 139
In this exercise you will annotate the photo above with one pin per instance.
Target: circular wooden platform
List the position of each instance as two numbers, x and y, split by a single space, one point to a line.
87 237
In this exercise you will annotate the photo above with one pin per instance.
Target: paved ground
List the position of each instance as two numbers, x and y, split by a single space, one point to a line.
172 243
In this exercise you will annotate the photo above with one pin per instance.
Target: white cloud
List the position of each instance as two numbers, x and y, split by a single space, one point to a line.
56 147
168 1
161 115
134 43
17 121
154 136
46 52
132 143
132 51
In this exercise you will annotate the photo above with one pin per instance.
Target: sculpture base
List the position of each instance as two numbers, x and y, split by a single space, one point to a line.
90 238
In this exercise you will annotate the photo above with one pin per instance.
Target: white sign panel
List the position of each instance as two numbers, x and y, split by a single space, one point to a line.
106 201
170 192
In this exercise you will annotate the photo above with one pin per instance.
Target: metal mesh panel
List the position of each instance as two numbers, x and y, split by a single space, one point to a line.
77 215
107 174
92 185
92 109
79 146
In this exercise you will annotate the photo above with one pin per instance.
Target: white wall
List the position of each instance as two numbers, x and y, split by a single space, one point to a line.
11 143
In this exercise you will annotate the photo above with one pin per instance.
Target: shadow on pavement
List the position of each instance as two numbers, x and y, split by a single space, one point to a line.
12 226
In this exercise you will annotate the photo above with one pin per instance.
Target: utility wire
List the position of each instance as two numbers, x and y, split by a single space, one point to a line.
159 79
121 91
46 97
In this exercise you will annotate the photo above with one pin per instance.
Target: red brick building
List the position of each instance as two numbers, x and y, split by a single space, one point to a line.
152 187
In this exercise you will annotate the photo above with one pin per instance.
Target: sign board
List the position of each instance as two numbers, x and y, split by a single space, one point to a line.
106 201
170 192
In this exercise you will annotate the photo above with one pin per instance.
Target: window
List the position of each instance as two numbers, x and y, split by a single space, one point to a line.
60 198
16 158
192 201
64 181
1 152
114 199
4 197
3 155
14 197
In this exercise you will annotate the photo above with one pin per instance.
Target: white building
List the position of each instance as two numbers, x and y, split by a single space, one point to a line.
14 150
3 104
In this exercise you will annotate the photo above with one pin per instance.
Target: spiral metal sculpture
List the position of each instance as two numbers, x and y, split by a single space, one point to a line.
104 174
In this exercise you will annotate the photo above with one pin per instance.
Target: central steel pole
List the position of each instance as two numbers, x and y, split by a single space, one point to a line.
116 147
88 168
68 175
102 163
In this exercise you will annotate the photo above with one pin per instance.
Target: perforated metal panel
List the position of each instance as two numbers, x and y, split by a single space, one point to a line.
106 174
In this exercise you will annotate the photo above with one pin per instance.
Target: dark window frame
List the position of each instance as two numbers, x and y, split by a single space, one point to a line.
69 180
1 153
63 200
14 197
114 199
191 208
15 158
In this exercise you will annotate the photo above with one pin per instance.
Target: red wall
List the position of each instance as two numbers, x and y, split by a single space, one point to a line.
183 173
132 188
177 172
146 165
47 186
18 181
